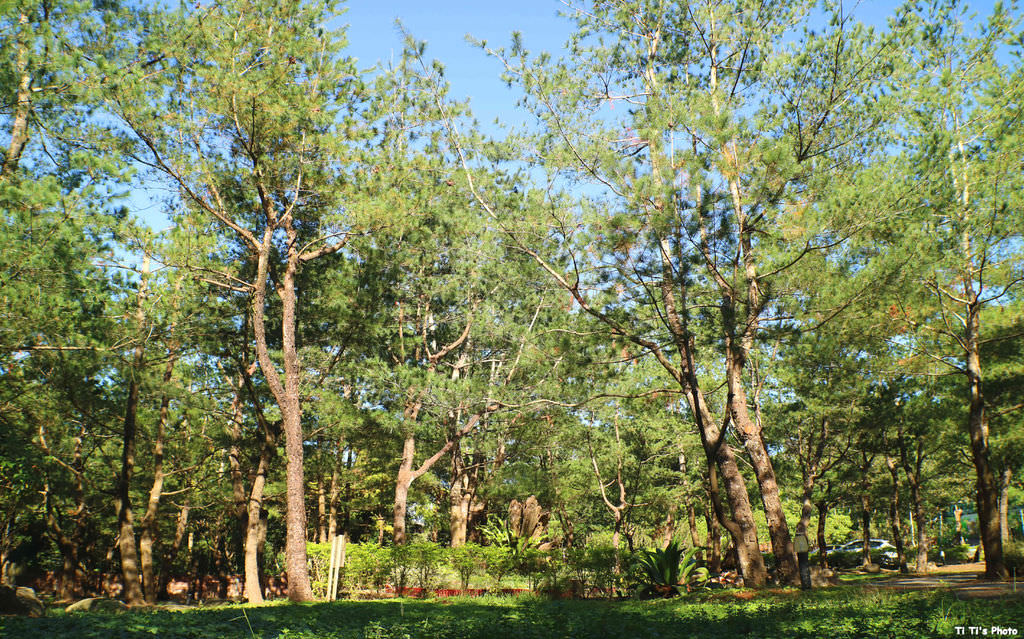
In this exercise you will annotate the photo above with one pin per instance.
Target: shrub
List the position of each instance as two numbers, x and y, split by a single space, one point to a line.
954 554
467 560
426 562
500 561
401 566
318 559
367 566
593 567
1013 557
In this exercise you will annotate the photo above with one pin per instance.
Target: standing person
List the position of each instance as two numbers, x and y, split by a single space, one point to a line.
802 547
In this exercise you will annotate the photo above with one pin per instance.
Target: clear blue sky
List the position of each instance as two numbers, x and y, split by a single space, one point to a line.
444 24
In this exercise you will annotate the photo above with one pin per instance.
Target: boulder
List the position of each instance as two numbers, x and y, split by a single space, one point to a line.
20 601
823 577
97 604
872 569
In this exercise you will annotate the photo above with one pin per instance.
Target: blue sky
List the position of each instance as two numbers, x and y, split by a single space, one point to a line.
444 24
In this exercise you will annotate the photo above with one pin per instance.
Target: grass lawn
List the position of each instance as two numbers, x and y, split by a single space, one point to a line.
835 613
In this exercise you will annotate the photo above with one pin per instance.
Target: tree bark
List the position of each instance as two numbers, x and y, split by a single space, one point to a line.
895 521
150 578
822 544
23 101
865 528
753 441
321 510
126 542
1004 507
986 499
714 541
407 474
286 396
332 498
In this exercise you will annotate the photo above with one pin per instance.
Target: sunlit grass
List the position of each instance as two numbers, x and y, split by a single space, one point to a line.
838 613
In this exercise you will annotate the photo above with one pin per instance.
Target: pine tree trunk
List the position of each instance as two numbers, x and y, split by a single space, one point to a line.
822 545
126 542
402 483
150 578
865 528
23 101
1004 507
753 441
986 499
287 398
895 521
921 519
741 526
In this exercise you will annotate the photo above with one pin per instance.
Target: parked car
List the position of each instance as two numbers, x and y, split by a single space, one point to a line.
880 548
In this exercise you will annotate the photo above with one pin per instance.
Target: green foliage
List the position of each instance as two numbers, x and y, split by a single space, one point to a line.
367 566
500 561
427 558
844 614
467 560
1013 555
669 571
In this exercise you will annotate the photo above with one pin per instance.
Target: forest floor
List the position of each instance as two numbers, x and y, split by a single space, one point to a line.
963 580
858 610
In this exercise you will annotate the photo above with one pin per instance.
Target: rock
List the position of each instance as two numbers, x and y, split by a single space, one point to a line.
872 569
97 604
20 601
823 577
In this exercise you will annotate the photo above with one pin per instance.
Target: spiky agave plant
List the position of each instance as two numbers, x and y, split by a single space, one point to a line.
670 571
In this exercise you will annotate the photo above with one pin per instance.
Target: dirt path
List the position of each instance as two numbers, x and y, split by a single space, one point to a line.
962 579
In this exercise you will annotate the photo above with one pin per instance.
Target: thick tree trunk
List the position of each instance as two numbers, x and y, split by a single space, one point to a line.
753 441
253 589
299 588
741 526
987 501
458 501
403 480
921 519
287 398
895 521
126 542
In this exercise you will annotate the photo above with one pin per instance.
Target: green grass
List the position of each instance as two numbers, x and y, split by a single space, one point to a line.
841 613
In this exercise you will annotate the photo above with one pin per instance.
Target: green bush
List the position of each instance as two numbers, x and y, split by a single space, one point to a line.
958 554
367 566
1013 557
426 563
318 558
467 560
402 566
593 567
499 561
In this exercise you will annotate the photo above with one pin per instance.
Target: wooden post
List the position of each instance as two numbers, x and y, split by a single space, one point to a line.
331 570
337 562
341 563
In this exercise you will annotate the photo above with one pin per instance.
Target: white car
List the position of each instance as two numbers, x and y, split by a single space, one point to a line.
887 552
